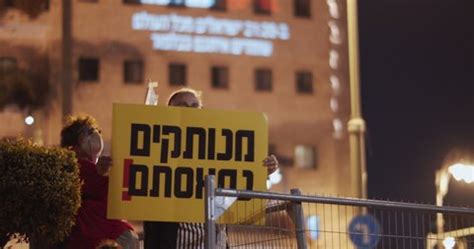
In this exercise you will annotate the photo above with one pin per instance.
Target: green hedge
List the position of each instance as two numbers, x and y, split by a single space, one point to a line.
39 191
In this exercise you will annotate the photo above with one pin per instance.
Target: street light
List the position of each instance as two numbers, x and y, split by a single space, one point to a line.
356 125
460 172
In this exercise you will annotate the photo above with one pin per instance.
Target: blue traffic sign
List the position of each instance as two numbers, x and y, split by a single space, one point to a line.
364 231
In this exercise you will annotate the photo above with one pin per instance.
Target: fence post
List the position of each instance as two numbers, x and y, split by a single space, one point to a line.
298 218
210 211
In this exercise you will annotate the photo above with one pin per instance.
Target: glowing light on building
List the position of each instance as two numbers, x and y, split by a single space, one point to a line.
337 126
29 120
334 104
333 59
313 224
188 3
335 38
335 84
209 25
211 44
333 8
207 4
208 34
156 2
200 3
335 33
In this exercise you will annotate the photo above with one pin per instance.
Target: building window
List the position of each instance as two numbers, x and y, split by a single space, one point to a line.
220 77
7 3
30 7
133 71
263 80
305 157
304 82
7 64
176 3
263 7
302 8
88 69
220 5
177 74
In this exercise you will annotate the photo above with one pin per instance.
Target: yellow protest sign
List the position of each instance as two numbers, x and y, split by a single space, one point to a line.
161 156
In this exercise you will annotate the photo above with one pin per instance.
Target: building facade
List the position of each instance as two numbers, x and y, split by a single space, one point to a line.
285 58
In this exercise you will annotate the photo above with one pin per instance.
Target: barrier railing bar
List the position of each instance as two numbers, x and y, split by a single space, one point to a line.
298 218
342 201
210 214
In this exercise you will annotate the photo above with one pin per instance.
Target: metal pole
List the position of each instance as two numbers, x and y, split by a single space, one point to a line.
441 182
299 221
66 58
210 214
356 125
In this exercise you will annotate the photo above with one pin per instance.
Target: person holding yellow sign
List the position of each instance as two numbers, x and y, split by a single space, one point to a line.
172 235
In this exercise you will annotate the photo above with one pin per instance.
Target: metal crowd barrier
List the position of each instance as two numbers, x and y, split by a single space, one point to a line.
293 220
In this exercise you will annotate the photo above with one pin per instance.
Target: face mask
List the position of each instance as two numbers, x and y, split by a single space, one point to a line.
92 146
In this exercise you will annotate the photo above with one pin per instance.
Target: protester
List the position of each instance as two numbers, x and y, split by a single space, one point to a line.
82 135
172 235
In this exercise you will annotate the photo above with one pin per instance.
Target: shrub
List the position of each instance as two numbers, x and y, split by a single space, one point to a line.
39 191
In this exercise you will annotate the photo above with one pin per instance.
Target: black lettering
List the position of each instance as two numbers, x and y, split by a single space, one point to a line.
212 172
250 135
188 190
227 173
211 144
200 181
249 177
144 149
177 139
227 155
156 134
157 171
132 180
190 132
164 151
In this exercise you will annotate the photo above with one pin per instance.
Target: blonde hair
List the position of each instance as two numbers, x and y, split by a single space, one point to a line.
197 94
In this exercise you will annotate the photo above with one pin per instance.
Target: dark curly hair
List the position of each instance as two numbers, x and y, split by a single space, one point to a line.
75 126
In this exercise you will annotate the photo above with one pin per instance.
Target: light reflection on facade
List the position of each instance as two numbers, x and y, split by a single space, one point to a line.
209 34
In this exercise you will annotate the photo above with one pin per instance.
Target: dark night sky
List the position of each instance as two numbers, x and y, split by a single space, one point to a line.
417 76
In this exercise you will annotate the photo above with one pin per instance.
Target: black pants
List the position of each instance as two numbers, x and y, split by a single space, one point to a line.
160 235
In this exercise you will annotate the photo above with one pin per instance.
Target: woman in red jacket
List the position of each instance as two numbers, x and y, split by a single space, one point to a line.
82 134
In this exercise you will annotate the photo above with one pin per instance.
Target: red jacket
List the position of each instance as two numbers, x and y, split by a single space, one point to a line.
92 226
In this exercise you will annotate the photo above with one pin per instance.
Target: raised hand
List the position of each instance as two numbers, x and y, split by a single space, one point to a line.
103 165
271 163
